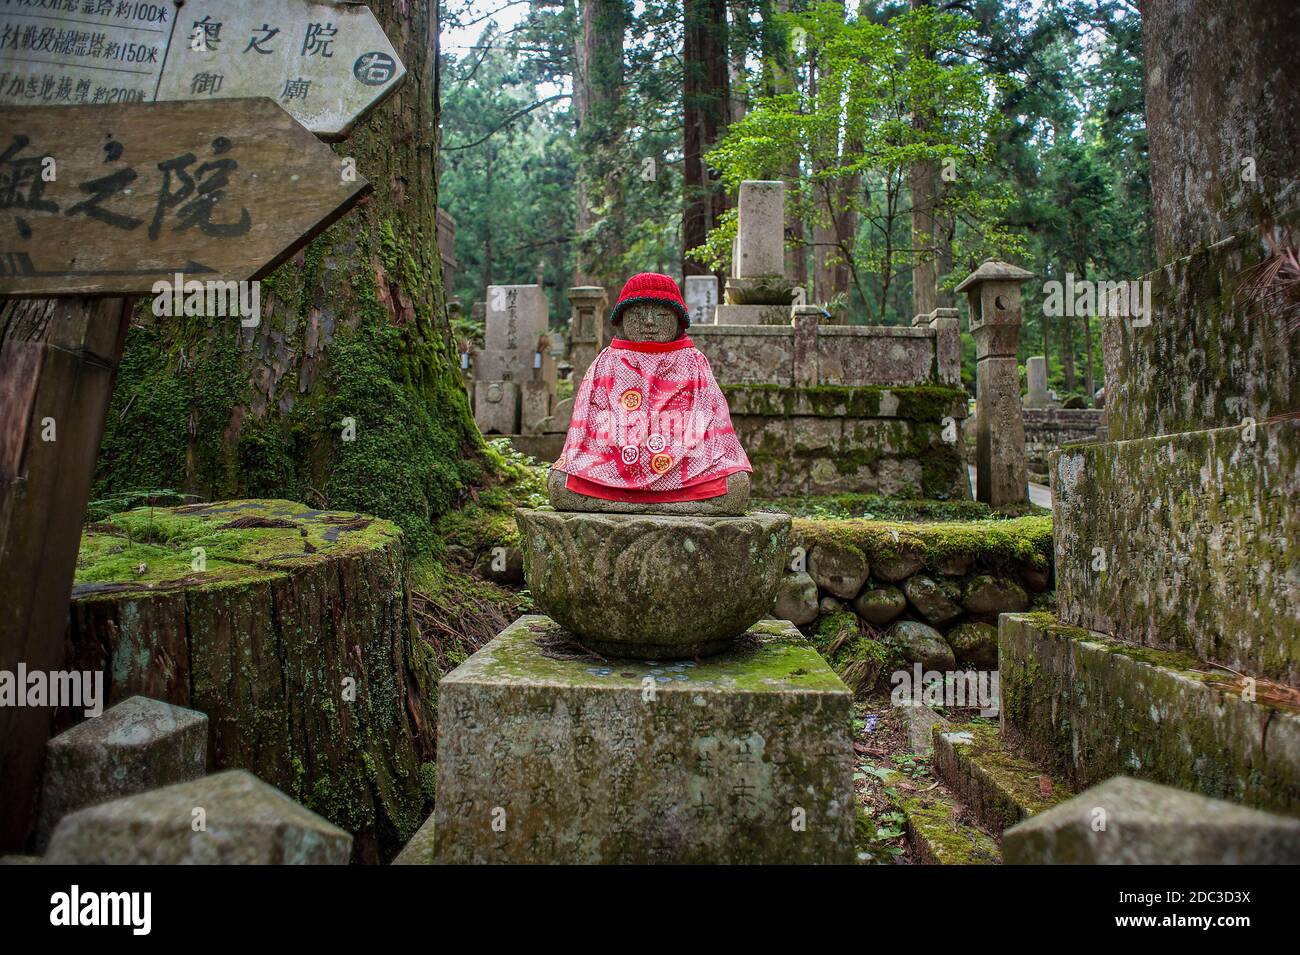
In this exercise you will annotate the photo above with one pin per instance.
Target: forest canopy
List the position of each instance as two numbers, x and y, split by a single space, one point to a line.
584 141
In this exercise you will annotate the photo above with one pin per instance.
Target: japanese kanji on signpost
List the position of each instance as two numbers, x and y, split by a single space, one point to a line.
327 64
108 200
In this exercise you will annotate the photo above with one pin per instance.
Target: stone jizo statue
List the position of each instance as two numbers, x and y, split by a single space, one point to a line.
651 432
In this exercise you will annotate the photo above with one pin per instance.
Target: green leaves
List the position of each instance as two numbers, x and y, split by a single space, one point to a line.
870 103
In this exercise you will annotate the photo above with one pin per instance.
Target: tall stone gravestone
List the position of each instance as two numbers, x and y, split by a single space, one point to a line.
1181 533
514 373
589 331
1036 373
758 292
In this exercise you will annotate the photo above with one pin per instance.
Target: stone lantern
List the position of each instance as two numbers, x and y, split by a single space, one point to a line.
993 292
587 326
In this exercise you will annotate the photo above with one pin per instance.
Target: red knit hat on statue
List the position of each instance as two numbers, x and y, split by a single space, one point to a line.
651 287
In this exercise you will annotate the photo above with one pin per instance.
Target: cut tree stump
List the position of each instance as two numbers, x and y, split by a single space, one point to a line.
291 629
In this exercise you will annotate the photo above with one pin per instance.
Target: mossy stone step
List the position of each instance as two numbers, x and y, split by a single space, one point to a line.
997 786
1090 707
938 829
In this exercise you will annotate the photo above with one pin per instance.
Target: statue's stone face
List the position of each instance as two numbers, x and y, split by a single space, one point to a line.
649 322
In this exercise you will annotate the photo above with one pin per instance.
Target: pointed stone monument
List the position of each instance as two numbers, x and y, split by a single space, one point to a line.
514 385
1036 373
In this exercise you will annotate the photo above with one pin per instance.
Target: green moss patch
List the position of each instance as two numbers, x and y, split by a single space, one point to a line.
1026 540
206 545
856 658
354 412
937 834
487 520
877 507
998 786
928 403
538 649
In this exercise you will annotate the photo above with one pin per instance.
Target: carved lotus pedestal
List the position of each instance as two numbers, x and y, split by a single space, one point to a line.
654 587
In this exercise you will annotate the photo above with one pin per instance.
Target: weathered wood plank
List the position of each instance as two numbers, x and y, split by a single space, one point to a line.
215 191
51 422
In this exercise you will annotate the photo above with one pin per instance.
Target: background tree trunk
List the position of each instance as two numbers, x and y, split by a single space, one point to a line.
354 330
925 229
705 99
597 99
780 76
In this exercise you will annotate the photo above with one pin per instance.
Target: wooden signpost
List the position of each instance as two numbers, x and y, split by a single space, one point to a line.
224 190
130 155
328 64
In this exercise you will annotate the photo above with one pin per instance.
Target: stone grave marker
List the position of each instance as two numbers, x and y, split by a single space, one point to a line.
701 295
1036 373
993 291
586 327
1150 824
136 745
758 292
230 818
515 372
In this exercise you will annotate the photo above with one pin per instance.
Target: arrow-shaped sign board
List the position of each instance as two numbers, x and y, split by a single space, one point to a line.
109 200
328 64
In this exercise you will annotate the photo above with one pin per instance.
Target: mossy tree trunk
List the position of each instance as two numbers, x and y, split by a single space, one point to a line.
347 394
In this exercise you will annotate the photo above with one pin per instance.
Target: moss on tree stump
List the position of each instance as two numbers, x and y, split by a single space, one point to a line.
291 629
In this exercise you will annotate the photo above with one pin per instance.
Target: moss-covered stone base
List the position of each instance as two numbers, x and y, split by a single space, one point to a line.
937 834
1186 542
831 439
1090 708
547 754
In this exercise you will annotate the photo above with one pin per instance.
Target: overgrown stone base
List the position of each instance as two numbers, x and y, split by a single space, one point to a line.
1091 707
549 755
1186 542
903 441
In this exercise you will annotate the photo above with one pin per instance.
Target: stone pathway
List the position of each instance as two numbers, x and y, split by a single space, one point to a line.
1039 494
